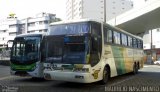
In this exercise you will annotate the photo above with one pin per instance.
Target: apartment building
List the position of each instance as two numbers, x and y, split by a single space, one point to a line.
13 26
103 10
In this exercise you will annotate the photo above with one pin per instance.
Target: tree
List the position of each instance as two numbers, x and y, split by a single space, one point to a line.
55 20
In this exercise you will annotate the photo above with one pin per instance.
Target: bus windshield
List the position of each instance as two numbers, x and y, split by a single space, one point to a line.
66 49
65 29
25 50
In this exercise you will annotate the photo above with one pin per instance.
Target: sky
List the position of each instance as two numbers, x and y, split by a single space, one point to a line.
29 8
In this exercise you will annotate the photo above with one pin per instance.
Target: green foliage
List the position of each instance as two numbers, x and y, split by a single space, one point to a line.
55 20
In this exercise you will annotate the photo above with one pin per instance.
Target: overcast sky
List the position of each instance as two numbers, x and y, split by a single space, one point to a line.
29 8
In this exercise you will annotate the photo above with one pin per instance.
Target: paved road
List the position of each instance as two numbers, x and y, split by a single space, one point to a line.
148 78
4 71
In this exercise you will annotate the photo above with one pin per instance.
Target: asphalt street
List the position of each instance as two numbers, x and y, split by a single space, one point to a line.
148 78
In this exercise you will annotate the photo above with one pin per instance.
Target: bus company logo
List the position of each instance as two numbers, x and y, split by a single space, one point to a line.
95 74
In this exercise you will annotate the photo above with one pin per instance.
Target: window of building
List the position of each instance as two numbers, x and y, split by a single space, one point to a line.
40 30
31 24
45 30
3 31
31 31
12 33
12 26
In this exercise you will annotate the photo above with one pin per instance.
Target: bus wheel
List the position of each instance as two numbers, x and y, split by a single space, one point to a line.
135 68
106 75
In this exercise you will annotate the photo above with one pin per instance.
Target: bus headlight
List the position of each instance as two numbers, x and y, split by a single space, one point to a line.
47 76
81 70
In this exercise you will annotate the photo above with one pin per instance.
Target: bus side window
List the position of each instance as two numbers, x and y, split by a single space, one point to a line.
124 39
130 41
140 44
109 36
116 37
135 43
96 44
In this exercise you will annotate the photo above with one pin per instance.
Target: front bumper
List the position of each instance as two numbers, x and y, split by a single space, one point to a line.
68 76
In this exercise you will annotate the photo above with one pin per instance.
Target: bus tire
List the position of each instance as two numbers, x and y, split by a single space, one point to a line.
106 76
37 78
135 68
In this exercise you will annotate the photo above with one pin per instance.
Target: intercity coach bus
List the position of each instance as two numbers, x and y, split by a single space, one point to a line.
26 55
87 51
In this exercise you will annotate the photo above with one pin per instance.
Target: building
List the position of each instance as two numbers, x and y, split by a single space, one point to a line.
140 3
12 26
151 43
103 10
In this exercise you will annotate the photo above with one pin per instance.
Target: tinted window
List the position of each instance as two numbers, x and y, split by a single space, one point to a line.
96 43
124 39
134 42
129 41
116 37
76 28
107 35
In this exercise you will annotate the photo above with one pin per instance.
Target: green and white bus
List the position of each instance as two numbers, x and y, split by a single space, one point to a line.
87 51
26 55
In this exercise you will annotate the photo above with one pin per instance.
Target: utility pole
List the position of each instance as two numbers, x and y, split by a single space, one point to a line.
104 11
151 48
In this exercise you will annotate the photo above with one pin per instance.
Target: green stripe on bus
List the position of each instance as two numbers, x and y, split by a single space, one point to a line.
119 59
23 67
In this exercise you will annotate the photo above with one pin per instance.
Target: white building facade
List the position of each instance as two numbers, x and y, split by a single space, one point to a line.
102 10
11 27
155 39
151 38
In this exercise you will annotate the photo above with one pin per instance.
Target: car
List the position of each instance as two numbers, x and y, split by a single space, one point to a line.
158 61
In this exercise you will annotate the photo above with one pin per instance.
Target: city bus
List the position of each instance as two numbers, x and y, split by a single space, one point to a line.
87 51
25 58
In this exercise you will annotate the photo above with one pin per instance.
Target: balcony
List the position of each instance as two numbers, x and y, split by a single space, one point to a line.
15 29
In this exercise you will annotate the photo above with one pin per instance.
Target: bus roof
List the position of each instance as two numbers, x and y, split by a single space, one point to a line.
123 31
30 34
86 20
74 21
